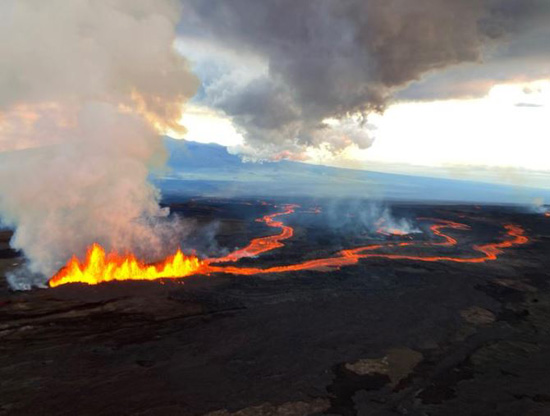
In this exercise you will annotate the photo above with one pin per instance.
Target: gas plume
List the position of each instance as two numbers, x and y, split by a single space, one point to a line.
360 217
539 207
86 88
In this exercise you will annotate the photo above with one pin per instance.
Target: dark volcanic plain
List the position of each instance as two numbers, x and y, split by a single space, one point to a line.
383 337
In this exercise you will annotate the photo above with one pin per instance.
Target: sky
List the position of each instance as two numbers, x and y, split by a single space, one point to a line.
466 139
456 89
425 96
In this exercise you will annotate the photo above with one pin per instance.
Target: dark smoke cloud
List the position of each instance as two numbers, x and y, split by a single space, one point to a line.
523 56
331 59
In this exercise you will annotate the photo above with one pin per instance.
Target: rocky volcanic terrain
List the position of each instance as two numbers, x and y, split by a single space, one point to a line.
383 337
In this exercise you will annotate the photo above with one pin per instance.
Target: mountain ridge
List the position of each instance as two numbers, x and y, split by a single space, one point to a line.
209 169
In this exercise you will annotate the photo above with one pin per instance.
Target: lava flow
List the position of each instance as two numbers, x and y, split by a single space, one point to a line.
100 267
352 256
263 244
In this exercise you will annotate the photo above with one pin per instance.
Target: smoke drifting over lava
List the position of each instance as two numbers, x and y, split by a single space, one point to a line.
353 216
307 62
86 88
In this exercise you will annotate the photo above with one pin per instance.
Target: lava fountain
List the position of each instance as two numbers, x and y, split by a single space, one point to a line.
99 267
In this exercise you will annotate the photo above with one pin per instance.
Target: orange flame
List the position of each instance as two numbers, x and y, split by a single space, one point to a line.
100 267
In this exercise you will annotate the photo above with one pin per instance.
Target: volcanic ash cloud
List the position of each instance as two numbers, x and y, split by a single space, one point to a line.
86 87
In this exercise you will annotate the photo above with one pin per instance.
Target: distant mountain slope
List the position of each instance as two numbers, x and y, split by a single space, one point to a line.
192 155
208 169
196 168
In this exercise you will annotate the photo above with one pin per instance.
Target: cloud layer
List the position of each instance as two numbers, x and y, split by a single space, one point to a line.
332 59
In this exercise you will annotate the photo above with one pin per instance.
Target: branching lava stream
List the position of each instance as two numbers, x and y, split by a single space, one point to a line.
100 267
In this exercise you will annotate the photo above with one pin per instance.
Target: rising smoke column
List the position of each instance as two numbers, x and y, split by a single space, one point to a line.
336 59
85 88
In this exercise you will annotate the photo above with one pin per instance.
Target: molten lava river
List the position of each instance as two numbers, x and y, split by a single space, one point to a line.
99 266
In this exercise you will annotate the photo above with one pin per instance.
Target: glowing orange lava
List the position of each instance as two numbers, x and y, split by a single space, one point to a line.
263 244
391 231
99 267
352 256
384 229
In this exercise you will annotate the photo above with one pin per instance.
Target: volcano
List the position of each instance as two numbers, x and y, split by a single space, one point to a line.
100 268
356 231
305 311
211 169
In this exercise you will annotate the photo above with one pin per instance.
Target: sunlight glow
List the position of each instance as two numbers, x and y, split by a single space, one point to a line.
205 125
507 129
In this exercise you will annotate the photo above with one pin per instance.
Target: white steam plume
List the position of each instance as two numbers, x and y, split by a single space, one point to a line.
359 216
85 87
